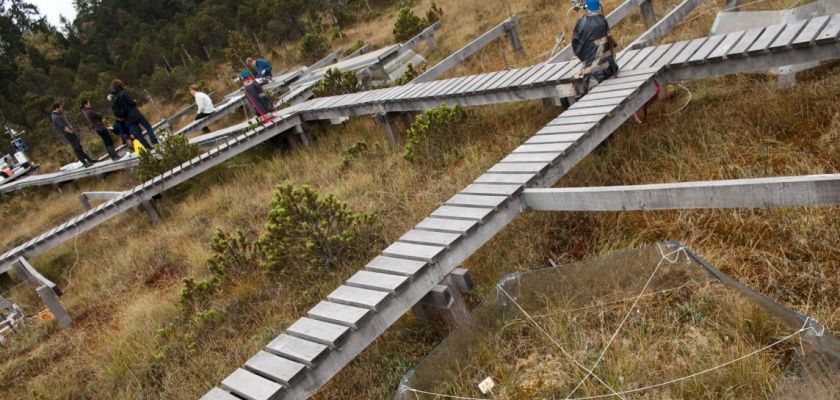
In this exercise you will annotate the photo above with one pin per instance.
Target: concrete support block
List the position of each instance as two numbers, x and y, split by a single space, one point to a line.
151 211
648 14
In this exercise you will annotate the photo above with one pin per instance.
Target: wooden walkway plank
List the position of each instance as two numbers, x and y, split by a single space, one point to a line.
558 138
518 168
672 52
460 226
542 148
830 32
767 37
397 266
639 58
251 386
747 40
785 39
506 179
719 53
376 281
218 394
465 213
321 332
809 34
442 239
339 314
654 57
583 119
602 110
410 251
553 129
687 52
597 103
708 47
304 351
532 157
469 200
500 190
357 297
276 368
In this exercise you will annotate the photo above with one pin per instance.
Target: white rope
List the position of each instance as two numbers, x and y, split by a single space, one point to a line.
629 312
661 384
554 341
690 95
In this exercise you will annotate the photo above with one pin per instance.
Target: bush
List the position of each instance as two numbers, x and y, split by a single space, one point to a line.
434 14
336 82
356 46
407 25
309 232
313 47
430 136
407 76
170 153
351 153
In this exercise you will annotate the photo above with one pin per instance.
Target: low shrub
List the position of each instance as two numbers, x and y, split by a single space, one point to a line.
430 138
337 82
170 153
312 47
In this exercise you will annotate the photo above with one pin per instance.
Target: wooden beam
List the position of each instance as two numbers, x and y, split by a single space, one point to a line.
613 18
508 25
427 35
668 22
86 197
811 190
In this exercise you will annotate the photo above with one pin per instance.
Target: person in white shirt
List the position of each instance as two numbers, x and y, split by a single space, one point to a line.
204 103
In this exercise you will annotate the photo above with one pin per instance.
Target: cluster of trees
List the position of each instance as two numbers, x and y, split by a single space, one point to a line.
158 45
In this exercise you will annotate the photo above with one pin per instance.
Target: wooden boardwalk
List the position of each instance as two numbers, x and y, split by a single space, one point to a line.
313 349
756 49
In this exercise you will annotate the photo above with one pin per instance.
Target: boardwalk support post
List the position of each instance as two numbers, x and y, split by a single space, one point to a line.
304 137
648 14
445 302
513 34
151 211
86 197
46 289
391 130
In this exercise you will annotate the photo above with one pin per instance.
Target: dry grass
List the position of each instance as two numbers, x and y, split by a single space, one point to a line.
122 279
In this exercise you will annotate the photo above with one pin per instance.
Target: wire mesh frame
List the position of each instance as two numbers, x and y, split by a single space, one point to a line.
496 313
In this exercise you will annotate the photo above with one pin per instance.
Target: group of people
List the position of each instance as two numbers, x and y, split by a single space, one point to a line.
129 124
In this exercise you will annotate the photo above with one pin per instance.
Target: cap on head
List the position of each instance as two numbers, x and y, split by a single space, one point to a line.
593 5
56 105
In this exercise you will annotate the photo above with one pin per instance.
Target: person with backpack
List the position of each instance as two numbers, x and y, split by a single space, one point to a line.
94 118
65 129
593 46
125 109
258 101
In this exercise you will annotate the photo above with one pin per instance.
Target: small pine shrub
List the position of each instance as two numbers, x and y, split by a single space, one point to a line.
337 82
356 46
170 153
407 25
407 76
431 136
312 47
309 232
434 14
352 153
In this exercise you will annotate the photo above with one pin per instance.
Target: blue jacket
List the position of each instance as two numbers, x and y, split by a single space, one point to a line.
263 68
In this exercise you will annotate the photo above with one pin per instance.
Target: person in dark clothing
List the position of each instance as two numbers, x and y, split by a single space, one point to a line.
63 127
95 119
258 101
261 67
125 109
593 46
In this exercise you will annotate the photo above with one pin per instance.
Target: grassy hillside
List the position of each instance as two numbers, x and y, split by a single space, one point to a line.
122 280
